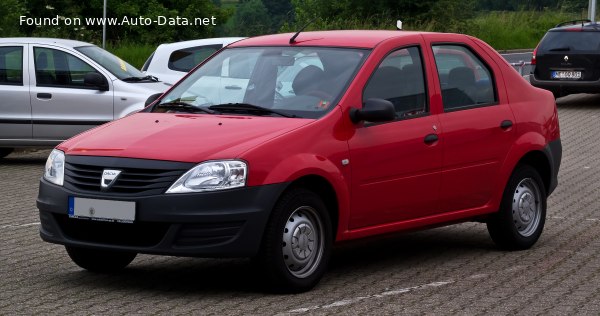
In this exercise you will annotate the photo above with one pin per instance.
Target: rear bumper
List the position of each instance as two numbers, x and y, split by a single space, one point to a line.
227 223
563 87
554 153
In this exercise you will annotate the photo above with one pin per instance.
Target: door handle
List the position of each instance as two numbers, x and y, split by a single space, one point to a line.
233 87
44 96
430 139
506 124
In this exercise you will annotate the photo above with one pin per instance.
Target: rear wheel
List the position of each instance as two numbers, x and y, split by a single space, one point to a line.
5 152
522 215
101 261
297 242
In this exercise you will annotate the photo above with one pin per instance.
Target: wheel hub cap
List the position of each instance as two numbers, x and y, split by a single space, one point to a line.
302 242
526 207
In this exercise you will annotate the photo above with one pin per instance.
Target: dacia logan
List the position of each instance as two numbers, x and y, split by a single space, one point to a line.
278 147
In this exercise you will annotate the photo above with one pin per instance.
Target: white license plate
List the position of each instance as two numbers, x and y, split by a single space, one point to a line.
566 75
102 210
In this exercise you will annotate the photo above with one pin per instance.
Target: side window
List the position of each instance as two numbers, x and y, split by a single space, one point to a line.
54 68
465 79
186 59
11 65
400 80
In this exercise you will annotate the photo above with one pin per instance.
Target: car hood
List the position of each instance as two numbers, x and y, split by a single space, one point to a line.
158 86
179 137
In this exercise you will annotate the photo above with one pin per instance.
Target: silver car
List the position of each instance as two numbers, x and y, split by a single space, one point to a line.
52 89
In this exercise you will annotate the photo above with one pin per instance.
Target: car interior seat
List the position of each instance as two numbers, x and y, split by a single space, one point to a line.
461 88
42 74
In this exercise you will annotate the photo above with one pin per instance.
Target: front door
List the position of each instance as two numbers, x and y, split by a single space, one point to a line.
62 105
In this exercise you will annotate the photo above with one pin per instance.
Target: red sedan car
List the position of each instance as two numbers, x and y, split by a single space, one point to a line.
277 147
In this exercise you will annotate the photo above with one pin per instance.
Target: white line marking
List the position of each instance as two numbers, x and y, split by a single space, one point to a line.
592 219
353 300
19 225
557 217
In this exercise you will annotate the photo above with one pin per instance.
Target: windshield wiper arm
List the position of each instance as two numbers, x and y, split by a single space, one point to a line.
247 107
137 79
183 106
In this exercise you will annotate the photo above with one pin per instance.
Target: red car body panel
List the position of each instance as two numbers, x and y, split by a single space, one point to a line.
393 181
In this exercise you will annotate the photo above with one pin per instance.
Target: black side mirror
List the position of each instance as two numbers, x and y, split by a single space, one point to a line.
374 110
94 79
152 98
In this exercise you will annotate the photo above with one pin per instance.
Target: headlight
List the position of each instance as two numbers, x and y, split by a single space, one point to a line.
211 176
55 167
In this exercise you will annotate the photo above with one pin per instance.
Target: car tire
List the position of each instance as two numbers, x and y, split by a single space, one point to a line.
296 245
556 94
5 152
520 221
100 261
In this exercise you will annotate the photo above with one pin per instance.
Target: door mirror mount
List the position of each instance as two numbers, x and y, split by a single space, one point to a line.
374 110
94 79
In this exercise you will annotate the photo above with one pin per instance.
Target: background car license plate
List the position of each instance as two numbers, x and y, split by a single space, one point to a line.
566 75
102 210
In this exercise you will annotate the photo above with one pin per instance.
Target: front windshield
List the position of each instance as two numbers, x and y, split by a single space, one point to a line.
297 81
112 63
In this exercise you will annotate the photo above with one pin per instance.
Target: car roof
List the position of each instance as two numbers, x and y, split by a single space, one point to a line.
585 26
359 39
43 40
201 42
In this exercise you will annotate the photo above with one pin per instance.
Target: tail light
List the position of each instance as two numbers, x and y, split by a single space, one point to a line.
533 61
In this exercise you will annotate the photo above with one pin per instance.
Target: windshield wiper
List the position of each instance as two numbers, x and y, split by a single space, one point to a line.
138 79
246 107
560 49
183 106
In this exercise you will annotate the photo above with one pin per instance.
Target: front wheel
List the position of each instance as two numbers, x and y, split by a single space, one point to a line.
520 220
297 242
101 261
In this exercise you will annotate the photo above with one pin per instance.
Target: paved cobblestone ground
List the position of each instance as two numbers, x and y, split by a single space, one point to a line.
450 270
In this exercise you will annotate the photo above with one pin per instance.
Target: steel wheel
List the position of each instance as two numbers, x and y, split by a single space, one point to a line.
303 242
526 207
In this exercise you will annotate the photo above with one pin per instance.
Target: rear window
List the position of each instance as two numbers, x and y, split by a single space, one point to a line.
570 41
186 59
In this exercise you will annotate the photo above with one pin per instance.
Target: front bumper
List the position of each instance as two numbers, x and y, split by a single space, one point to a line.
227 223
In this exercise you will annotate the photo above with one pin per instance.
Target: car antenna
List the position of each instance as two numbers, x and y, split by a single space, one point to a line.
293 39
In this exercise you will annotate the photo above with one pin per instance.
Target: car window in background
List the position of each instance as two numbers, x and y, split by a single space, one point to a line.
570 41
186 59
148 61
272 77
11 65
465 83
118 67
400 80
55 68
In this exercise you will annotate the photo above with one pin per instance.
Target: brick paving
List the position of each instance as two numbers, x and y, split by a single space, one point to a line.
449 270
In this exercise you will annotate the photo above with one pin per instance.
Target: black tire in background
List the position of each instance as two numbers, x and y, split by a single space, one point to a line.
100 261
520 221
297 242
5 152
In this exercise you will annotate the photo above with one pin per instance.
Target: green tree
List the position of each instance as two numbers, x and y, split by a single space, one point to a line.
251 18
10 11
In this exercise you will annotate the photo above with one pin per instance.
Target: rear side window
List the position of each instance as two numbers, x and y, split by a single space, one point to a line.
400 80
570 41
11 65
148 61
55 68
465 79
186 59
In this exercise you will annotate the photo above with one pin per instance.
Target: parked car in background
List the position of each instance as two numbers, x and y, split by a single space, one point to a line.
53 89
170 62
567 59
334 136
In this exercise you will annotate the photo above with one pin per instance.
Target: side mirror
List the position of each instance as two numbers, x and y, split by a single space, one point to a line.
152 98
374 110
94 79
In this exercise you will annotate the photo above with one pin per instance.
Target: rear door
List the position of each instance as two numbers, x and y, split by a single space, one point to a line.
62 106
569 55
15 107
477 124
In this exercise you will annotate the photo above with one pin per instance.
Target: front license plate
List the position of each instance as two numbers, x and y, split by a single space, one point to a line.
102 210
566 75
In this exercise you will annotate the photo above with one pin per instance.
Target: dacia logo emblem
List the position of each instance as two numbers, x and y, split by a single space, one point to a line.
109 177
566 59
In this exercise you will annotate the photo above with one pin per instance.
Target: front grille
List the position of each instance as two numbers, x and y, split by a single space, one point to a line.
193 235
138 176
135 234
